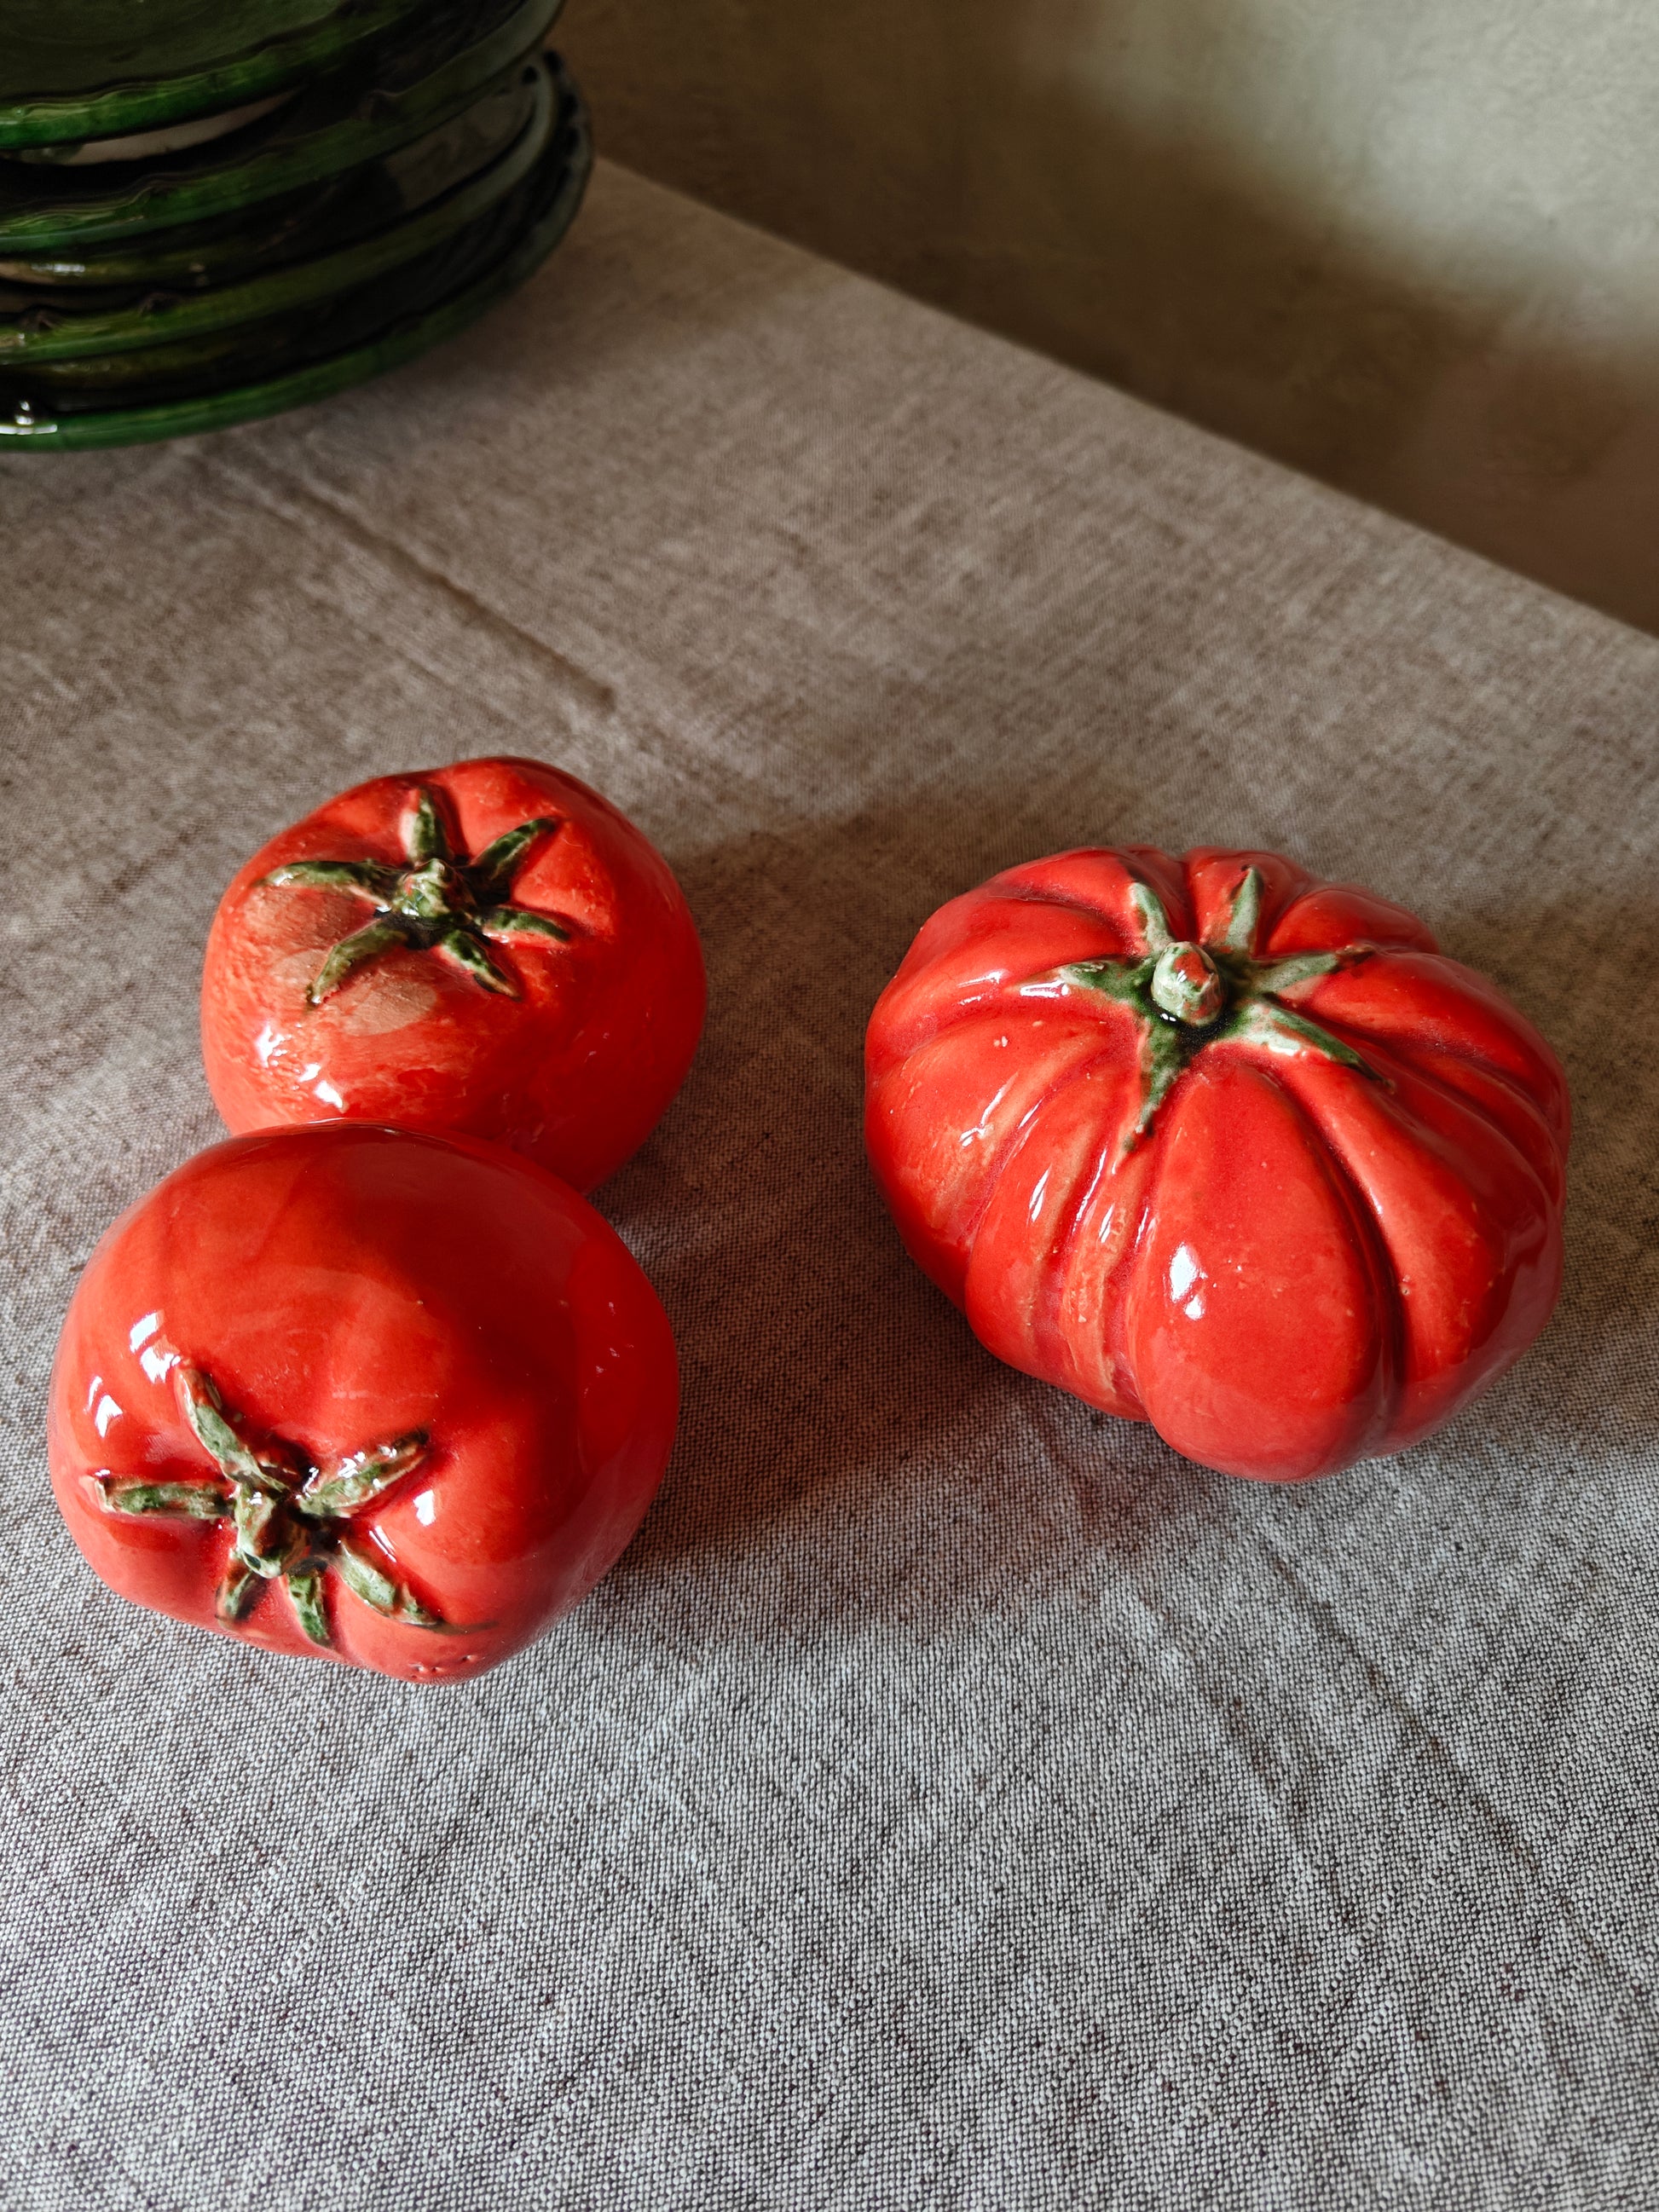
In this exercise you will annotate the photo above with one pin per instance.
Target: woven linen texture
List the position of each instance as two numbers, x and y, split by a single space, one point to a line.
952 1799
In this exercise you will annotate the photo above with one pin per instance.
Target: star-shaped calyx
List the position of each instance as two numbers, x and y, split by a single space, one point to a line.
436 902
1190 995
292 1517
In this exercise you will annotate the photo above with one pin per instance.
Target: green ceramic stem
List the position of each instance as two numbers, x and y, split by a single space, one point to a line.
353 1482
436 902
1245 920
197 1501
233 1600
1185 986
1188 996
305 1590
290 1518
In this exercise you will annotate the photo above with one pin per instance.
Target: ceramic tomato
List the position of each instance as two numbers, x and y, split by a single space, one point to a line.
491 949
1218 1146
362 1393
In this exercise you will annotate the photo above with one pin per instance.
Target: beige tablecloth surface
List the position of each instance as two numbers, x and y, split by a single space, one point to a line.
952 1799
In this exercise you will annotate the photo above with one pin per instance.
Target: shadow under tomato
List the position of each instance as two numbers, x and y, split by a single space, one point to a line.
829 1390
1588 973
845 1440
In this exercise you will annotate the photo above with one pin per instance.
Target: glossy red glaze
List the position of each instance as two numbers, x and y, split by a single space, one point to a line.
575 1072
1297 1260
345 1285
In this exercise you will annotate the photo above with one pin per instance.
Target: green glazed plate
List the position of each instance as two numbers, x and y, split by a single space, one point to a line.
75 70
300 226
356 115
539 215
285 335
36 330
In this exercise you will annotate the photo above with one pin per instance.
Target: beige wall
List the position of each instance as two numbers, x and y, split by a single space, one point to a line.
1412 245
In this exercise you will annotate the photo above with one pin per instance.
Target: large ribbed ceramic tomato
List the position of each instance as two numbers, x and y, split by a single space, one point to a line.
491 949
1220 1147
355 1392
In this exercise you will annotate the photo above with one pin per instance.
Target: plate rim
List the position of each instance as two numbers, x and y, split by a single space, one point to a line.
134 104
133 213
223 410
223 305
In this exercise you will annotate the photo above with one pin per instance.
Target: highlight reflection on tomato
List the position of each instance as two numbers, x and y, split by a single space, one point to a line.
1213 1144
362 1393
491 949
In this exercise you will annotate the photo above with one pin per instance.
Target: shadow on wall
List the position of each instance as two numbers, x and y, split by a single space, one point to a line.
1431 298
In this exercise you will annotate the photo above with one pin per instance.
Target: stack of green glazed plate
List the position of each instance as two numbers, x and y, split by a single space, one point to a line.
212 209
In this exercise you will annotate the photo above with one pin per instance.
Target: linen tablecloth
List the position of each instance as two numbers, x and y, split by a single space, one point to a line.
952 1799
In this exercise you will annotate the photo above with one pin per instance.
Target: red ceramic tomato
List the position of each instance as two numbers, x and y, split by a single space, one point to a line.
491 949
1218 1146
363 1393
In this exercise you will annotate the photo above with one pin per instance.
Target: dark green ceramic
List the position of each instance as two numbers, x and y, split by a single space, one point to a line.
53 328
49 219
416 310
75 70
282 337
300 226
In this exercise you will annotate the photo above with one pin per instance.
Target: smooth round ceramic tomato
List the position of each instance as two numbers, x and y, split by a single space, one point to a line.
362 1393
491 950
1214 1145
